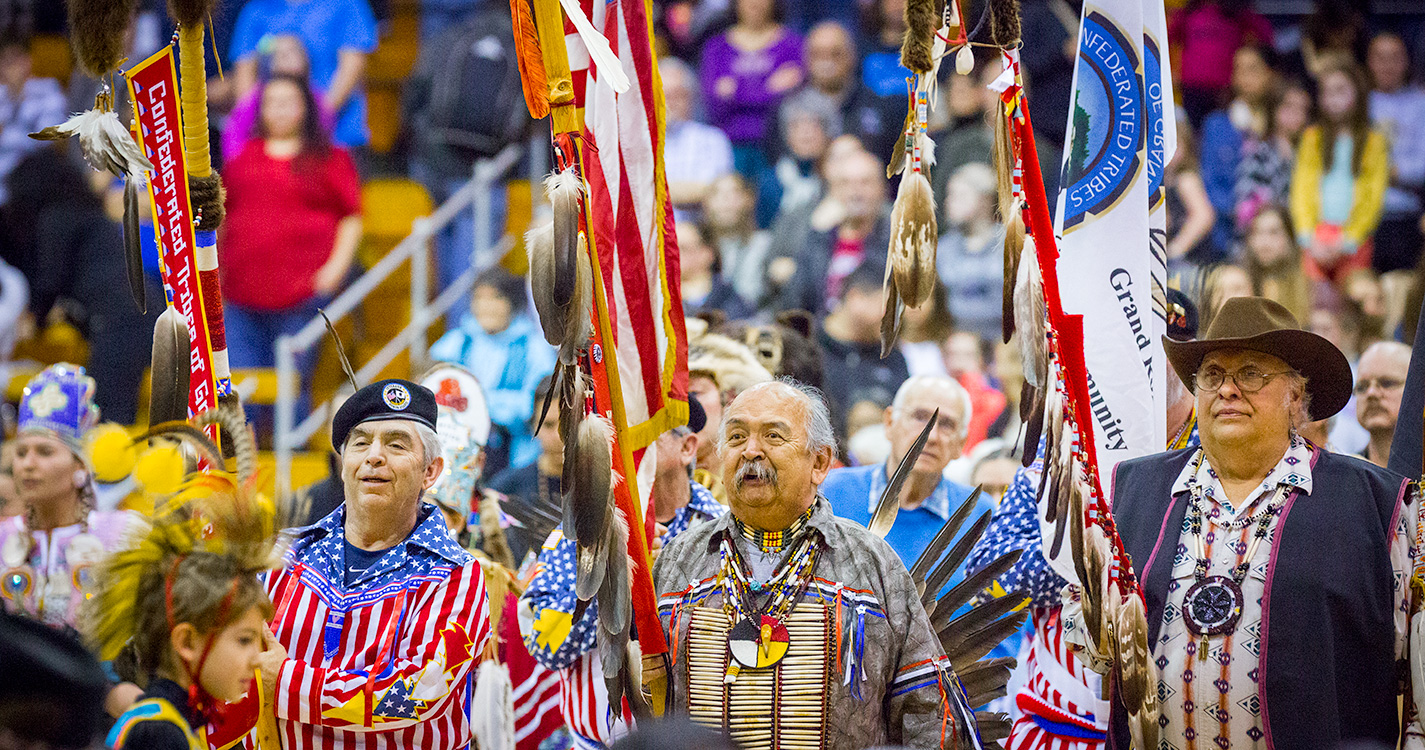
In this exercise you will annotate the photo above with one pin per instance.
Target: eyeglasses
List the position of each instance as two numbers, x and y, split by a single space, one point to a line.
1248 379
1385 384
919 417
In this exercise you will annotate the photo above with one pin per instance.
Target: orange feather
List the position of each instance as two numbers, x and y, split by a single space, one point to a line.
531 60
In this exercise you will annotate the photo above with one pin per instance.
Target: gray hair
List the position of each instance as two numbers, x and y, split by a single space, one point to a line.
430 443
1302 414
966 406
816 414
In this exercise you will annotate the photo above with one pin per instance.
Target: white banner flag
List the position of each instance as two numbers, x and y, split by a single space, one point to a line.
1106 263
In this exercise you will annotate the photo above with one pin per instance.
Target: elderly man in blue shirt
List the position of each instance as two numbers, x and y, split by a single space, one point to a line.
928 498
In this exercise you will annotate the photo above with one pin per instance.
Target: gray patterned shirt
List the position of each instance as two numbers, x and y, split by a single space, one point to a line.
896 663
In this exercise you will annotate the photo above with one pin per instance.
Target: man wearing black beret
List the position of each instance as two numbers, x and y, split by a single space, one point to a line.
380 615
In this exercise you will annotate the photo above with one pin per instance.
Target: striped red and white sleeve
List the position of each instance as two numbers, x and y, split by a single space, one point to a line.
443 632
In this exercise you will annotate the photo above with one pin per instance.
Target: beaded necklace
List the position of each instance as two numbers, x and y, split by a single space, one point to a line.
1213 605
758 637
773 541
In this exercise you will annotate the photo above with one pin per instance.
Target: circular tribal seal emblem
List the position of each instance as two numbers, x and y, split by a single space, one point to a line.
396 396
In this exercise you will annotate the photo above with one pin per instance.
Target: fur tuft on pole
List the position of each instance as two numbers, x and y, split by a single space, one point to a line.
207 195
531 61
97 29
913 240
1004 23
921 20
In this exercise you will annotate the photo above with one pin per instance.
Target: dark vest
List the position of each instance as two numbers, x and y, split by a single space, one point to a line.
1328 630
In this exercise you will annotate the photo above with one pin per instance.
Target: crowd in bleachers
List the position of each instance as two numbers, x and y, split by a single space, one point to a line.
1299 176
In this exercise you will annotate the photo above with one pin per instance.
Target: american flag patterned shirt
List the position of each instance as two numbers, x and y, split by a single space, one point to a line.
388 661
559 642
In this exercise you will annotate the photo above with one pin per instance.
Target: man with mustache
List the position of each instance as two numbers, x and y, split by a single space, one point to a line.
1276 575
787 621
1379 385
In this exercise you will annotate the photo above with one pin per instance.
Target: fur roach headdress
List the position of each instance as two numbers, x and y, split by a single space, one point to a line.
197 561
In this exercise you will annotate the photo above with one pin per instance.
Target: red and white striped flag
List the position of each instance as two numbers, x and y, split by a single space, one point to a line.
631 222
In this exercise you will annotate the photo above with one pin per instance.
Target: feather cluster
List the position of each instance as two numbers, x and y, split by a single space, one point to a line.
985 619
561 276
910 261
97 29
106 144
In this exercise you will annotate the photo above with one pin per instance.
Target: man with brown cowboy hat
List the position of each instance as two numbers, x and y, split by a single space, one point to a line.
1276 574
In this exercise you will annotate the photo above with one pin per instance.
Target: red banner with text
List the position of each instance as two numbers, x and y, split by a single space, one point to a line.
153 88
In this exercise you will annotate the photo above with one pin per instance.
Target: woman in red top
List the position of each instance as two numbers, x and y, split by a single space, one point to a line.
292 226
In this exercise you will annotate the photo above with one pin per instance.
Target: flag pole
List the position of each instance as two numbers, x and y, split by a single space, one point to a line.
601 361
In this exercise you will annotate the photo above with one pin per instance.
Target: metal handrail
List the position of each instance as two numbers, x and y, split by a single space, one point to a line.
475 194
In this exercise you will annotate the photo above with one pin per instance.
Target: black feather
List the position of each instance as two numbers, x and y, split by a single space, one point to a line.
955 558
964 650
889 503
1061 520
1034 424
133 245
966 590
171 370
943 537
340 351
966 625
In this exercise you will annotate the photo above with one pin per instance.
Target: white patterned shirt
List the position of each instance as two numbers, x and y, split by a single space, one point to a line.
1214 702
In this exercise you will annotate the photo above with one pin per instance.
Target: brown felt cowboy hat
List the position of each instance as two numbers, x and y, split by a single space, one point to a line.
1261 325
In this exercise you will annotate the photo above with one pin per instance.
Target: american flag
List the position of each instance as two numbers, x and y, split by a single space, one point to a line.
536 688
409 631
632 215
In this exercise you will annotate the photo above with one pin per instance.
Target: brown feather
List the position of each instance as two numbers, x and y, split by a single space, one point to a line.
890 315
932 552
921 21
97 29
590 501
171 369
133 245
340 351
913 240
579 318
539 247
1132 664
530 60
564 189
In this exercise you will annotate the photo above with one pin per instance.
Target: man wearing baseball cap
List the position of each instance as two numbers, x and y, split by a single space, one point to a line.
380 614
